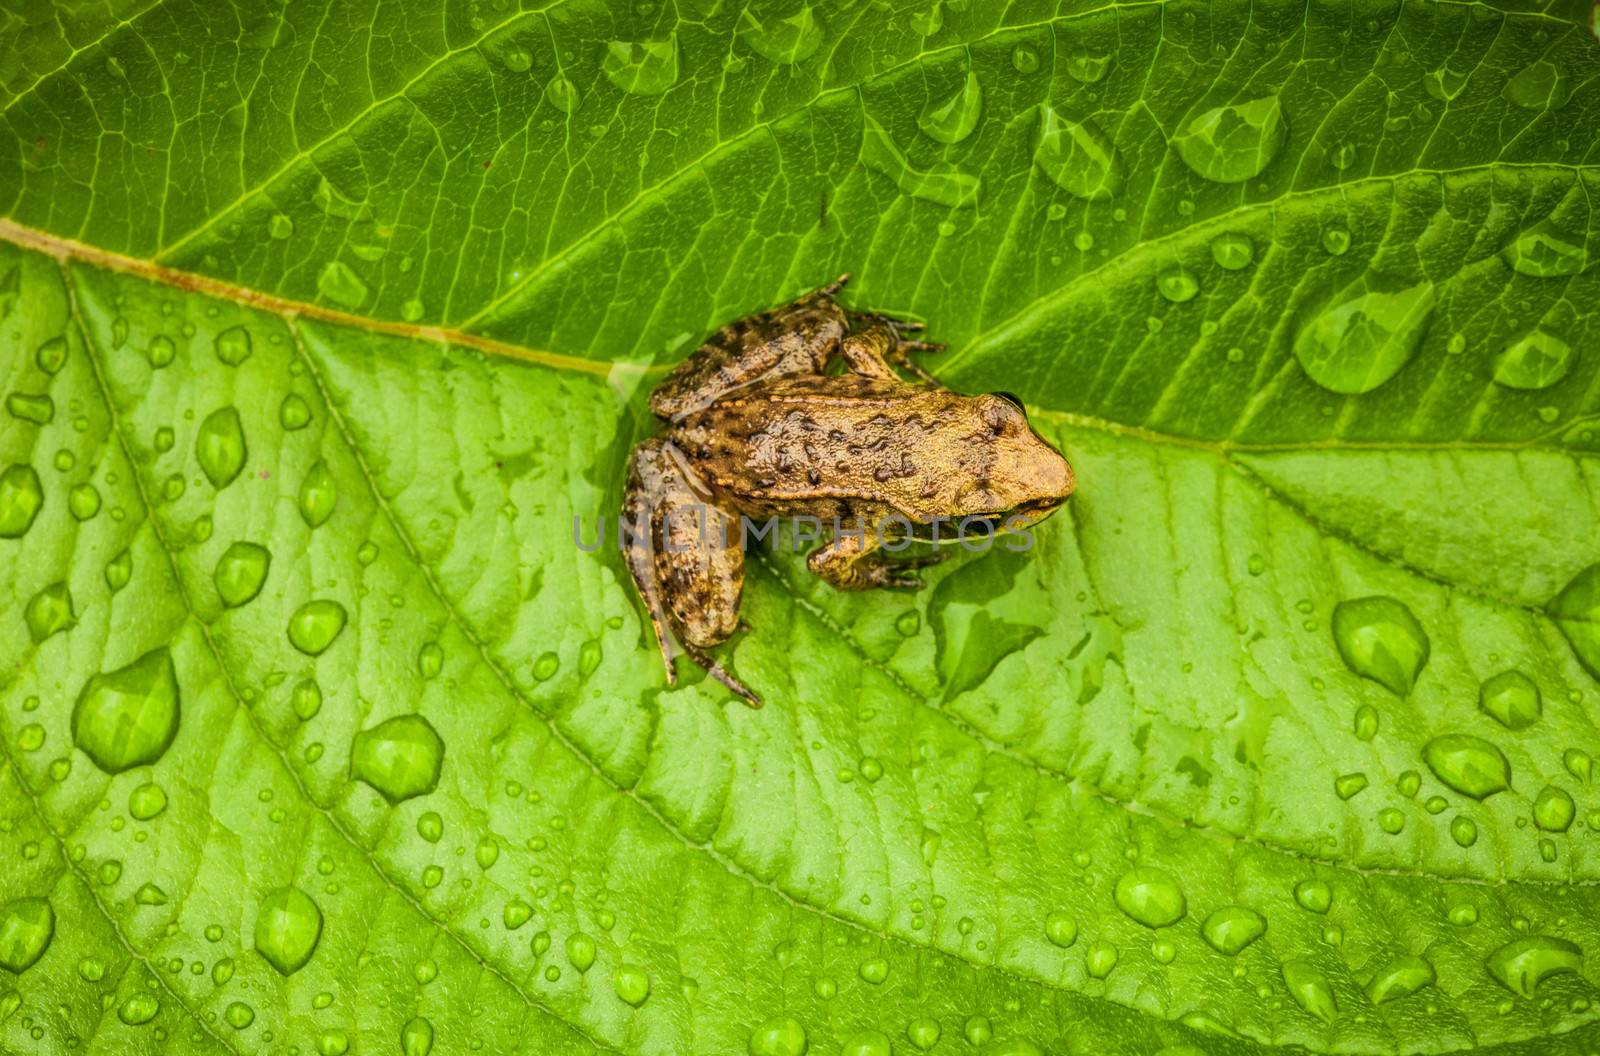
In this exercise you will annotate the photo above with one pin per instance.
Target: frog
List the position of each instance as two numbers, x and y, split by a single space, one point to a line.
818 411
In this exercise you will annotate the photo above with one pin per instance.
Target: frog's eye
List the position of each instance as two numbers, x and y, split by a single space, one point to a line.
1014 400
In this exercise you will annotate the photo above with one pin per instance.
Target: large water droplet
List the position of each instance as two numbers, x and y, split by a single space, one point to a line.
128 717
1380 639
1522 965
1544 253
1061 929
1078 158
1553 809
240 572
923 1033
1363 340
1536 360
1444 84
1087 67
943 183
868 1043
288 927
52 355
1177 284
317 495
21 495
1233 251
1512 699
1541 86
631 983
642 68
1315 896
147 801
39 409
1230 929
294 413
1310 989
1469 765
399 757
787 40
778 1037
1150 897
239 1015
563 95
416 1037
233 345
339 283
954 119
580 951
1401 977
138 1009
219 447
315 625
49 612
1232 143
26 927
1576 611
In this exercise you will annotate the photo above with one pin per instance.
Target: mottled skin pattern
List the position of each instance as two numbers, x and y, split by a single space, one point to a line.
755 427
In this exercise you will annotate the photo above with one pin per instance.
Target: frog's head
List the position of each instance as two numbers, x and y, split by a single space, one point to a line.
1017 477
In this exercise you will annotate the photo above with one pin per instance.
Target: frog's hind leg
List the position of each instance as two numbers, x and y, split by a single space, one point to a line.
879 352
637 534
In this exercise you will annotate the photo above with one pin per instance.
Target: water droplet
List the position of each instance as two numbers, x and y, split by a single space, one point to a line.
874 970
1343 156
49 612
1380 639
31 737
642 68
1150 896
147 801
923 1032
1544 253
1347 785
563 95
1576 611
1177 284
778 1037
1553 809
1520 966
786 41
1078 158
943 183
580 951
1512 699
1230 929
339 283
333 1043
118 571
288 927
306 700
954 119
1463 830
239 1015
399 757
52 355
1363 340
1578 763
1235 142
161 351
315 625
1233 251
1401 977
1463 915
1086 67
412 309
90 970
1536 360
1314 896
1467 764
1336 241
1541 86
978 1030
26 927
240 572
1100 959
280 226
233 345
416 1037
869 1043
38 409
294 413
1444 84
138 1009
430 826
21 495
1391 820
1061 929
219 447
128 717
1310 989
83 501
317 495
1024 59
150 894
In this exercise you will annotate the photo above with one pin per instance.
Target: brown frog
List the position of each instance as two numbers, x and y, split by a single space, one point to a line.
757 428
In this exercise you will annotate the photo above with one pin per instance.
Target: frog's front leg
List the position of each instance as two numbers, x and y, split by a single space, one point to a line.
686 558
878 350
852 561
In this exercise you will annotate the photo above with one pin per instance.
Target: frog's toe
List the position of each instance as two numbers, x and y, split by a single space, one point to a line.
918 560
899 324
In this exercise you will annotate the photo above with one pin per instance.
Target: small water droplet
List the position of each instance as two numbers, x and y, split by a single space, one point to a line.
1100 959
147 801
280 226
239 1015
118 571
1233 251
874 970
1086 67
127 717
786 41
26 927
49 612
399 757
39 409
1343 156
240 572
52 355
1349 785
294 413
1553 809
1233 143
1444 84
138 1009
306 700
1078 158
1310 989
1150 896
1401 977
954 119
430 826
1177 284
416 1037
339 283
318 495
1024 59
21 496
288 927
1229 929
233 345
1468 765
315 625
1512 699
1543 85
1544 253
1314 896
219 447
778 1037
642 68
1463 830
1576 611
1520 966
563 95
1536 360
869 1043
943 183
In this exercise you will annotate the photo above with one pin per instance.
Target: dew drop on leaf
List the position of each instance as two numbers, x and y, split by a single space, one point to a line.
1520 966
1541 86
339 283
315 625
778 1037
416 1037
1362 341
39 409
239 1015
923 1033
294 413
869 1043
1553 809
1024 59
1150 896
1380 639
280 226
138 1009
333 1043
49 612
580 951
26 927
219 447
1100 959
1233 143
943 183
1078 158
642 68
1177 284
128 717
1512 699
1233 251
430 826
318 495
21 495
1346 786
91 970
1467 764
233 345
83 501
953 120
1463 830
288 927
147 801
563 95
51 355
306 700
430 660
1401 977
1544 253
240 572
1536 360
399 757
1310 989
874 970
1314 896
1061 929
161 351
1229 929
787 40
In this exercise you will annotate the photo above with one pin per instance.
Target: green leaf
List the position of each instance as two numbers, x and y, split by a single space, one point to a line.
322 323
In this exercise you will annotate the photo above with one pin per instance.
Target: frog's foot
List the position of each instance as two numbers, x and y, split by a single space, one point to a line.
896 323
913 560
822 292
899 355
720 673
